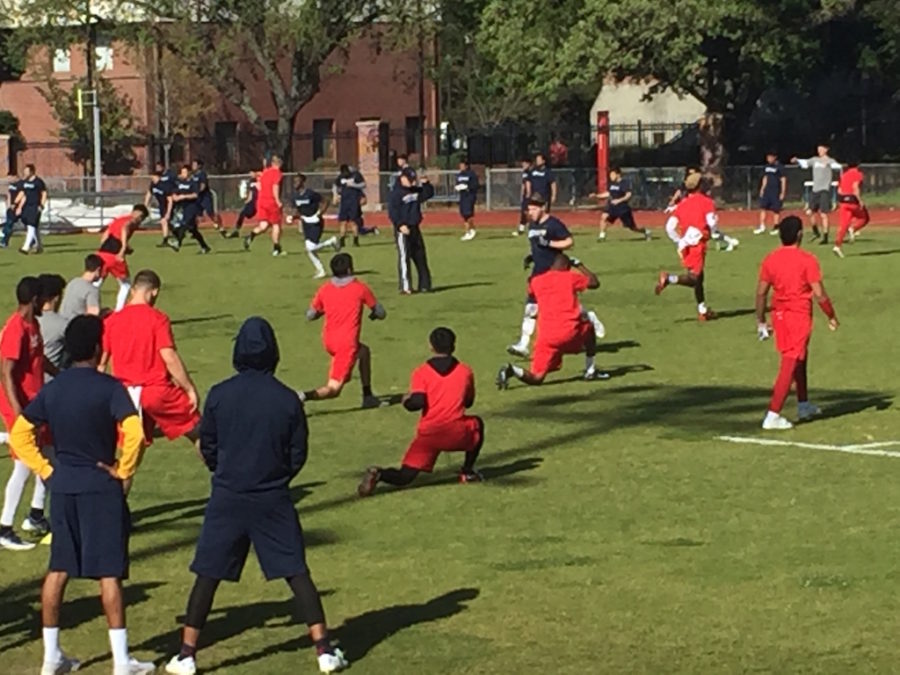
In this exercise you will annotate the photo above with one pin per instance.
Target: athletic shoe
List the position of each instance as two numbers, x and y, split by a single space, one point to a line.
319 275
807 410
815 232
40 527
852 234
775 422
517 350
164 243
333 662
366 487
223 232
661 283
503 377
708 316
173 244
468 236
773 232
370 402
13 542
4 244
234 234
134 667
732 244
247 240
760 230
180 666
337 245
824 239
470 476
64 665
647 235
204 251
23 251
405 292
593 374
599 328
356 240
838 252
601 237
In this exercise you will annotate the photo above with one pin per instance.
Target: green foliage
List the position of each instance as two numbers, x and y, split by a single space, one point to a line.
9 123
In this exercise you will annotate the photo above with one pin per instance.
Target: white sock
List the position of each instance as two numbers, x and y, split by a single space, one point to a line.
122 297
314 259
118 642
327 243
52 652
39 495
302 396
588 363
602 235
518 371
30 237
673 278
701 308
528 326
4 437
15 486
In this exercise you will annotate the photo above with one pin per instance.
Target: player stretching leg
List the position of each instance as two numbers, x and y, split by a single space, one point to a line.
442 389
205 205
795 277
248 212
690 226
562 328
341 302
853 212
269 206
772 190
618 207
114 247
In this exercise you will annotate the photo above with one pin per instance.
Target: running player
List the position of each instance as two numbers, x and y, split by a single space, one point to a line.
30 203
183 211
852 211
541 181
248 212
310 207
341 302
526 195
160 191
269 206
772 190
205 203
467 187
12 192
795 278
618 205
442 389
114 247
819 205
562 326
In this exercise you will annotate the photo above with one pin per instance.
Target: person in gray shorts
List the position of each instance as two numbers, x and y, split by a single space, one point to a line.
820 203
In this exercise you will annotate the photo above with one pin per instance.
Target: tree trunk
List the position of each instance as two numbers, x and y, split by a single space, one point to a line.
713 156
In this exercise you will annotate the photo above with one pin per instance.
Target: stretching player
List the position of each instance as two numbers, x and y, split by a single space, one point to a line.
562 326
443 389
690 226
618 207
795 278
248 212
405 209
310 207
772 190
467 187
853 212
341 302
526 195
820 197
114 247
349 189
183 211
269 206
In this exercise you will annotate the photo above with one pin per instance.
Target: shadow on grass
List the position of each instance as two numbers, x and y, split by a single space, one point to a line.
386 400
891 251
725 314
614 372
201 319
616 347
455 287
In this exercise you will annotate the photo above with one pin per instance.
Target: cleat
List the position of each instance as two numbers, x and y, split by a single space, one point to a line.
62 666
517 350
204 251
234 234
732 244
333 662
406 293
356 241
23 251
773 232
247 240
337 246
838 252
647 235
852 234
13 542
468 236
503 377
807 410
601 237
661 283
708 316
369 402
760 230
366 487
320 275
180 666
815 232
134 667
40 526
223 233
599 328
470 476
594 375
775 422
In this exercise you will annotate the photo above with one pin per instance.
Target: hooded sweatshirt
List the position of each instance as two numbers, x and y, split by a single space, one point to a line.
254 433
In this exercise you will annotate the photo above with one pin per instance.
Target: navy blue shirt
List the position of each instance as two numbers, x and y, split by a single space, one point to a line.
773 174
470 179
33 188
617 190
348 193
13 189
201 180
408 207
551 229
254 192
83 409
185 186
168 176
160 192
541 179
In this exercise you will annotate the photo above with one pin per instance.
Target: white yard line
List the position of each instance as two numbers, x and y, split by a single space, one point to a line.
872 449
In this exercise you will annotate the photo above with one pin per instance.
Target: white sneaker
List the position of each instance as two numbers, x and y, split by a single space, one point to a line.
179 666
774 231
760 230
134 667
468 236
13 542
775 422
333 663
732 244
320 275
517 350
599 328
807 410
594 374
601 236
838 252
64 665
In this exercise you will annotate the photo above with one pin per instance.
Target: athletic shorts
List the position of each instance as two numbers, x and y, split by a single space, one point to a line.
269 213
167 408
90 534
205 204
792 333
113 266
312 231
349 212
820 201
770 203
31 216
849 212
627 218
343 360
233 521
693 258
463 435
467 208
548 358
249 210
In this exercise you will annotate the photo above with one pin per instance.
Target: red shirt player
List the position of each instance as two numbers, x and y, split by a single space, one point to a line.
22 367
268 206
690 226
795 278
138 339
114 247
443 389
854 215
341 302
562 327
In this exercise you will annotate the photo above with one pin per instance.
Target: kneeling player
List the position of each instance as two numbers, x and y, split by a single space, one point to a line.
443 389
561 325
114 247
341 302
310 206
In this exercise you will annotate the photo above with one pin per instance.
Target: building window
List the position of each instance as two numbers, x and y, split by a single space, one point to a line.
62 61
413 135
659 138
323 139
226 144
103 53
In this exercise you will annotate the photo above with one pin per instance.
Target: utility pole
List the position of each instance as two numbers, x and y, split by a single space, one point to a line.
91 91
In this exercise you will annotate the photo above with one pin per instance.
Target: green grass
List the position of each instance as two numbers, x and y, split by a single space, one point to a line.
615 533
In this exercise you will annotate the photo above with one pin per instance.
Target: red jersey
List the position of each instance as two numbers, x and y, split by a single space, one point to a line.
791 272
695 211
120 228
449 388
342 302
559 311
21 342
268 179
848 179
133 337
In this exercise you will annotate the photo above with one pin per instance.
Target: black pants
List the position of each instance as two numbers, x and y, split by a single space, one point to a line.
188 225
411 247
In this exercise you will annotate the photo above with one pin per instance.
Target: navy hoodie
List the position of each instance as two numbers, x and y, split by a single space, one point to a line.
405 204
254 433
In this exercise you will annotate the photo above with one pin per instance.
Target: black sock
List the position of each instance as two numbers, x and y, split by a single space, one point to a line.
367 391
277 248
5 529
323 646
36 514
187 651
252 236
399 477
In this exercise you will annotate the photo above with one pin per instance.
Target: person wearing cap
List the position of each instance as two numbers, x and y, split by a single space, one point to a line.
772 190
405 211
254 440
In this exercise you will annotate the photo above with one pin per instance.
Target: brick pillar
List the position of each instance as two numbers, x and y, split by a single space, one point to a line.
6 158
368 160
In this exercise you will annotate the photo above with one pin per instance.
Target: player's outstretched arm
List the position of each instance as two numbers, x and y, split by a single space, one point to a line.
821 296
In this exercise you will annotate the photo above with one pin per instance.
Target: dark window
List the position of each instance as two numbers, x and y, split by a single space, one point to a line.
413 135
226 144
323 139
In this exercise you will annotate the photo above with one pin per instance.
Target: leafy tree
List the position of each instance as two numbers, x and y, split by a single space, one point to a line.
9 123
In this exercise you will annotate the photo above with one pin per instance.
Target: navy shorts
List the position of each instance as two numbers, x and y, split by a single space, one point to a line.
349 212
31 216
770 203
312 231
467 208
185 216
232 522
820 201
627 218
249 210
90 535
205 204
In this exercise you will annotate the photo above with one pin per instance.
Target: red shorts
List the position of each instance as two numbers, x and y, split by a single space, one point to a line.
792 332
113 266
169 408
269 213
850 212
463 435
693 258
342 362
548 357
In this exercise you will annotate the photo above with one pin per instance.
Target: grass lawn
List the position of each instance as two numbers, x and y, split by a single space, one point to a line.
615 532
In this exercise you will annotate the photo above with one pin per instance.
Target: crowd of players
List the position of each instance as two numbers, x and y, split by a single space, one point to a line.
57 404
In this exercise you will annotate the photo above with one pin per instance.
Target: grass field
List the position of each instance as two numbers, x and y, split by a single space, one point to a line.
615 532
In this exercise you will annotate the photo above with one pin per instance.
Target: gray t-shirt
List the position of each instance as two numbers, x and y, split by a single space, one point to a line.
821 171
53 331
79 295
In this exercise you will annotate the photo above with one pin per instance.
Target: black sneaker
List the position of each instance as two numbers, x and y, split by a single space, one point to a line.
204 251
356 241
367 485
39 526
503 377
472 476
234 234
247 241
13 542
